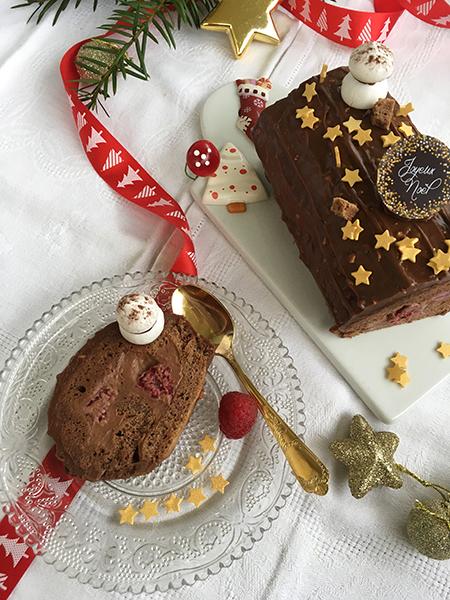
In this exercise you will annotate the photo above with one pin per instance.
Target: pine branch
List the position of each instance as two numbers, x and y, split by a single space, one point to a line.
43 6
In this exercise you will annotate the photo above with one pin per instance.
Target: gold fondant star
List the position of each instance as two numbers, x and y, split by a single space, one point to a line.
309 120
173 503
384 240
404 379
351 177
369 457
400 360
194 464
390 139
127 515
407 130
219 483
352 124
310 91
351 231
196 496
407 249
404 110
444 350
362 276
398 375
407 242
362 136
441 260
207 444
242 29
302 112
332 133
149 509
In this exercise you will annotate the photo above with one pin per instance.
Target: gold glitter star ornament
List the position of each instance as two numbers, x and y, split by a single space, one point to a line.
127 515
369 457
244 22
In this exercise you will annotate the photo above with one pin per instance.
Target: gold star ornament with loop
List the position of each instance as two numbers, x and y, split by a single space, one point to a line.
244 22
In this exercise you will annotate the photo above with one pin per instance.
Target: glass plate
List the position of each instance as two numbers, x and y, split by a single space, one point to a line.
177 548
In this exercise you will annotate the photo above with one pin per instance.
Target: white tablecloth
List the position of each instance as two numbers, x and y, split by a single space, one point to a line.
61 228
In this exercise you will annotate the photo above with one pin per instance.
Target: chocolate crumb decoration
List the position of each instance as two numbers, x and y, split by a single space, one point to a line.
343 208
383 113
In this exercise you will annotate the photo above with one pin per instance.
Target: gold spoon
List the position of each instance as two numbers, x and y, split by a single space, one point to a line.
212 320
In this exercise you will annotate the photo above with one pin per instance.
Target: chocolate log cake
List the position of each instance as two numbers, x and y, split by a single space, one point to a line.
324 179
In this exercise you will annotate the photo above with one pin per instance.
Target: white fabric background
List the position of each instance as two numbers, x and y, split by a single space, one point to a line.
61 228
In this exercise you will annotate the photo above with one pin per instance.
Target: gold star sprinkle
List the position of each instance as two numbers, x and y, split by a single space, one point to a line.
309 120
352 124
207 444
219 483
196 496
444 350
390 139
337 157
362 276
310 91
362 136
351 231
332 133
400 360
127 515
194 464
384 240
403 379
404 110
407 130
323 73
407 249
302 112
441 260
149 509
173 503
407 242
398 375
351 177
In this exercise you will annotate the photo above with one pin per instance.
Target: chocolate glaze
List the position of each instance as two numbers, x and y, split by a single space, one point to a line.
301 167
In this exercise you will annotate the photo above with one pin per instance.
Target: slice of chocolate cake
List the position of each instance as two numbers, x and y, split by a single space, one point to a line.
119 408
374 268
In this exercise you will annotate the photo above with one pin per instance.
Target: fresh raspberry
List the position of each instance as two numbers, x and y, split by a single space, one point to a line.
237 414
98 405
157 381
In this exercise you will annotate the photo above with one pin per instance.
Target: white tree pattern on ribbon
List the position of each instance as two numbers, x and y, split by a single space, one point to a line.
177 214
442 20
113 159
322 23
424 9
146 192
55 486
343 31
193 258
3 579
81 121
292 4
129 178
160 202
94 139
366 32
306 11
17 550
385 31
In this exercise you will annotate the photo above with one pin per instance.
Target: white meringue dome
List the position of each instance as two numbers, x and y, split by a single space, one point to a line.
371 62
140 319
361 95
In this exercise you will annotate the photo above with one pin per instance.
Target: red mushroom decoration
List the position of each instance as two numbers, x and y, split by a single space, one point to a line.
202 158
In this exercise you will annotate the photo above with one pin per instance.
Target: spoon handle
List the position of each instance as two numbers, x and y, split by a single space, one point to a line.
310 472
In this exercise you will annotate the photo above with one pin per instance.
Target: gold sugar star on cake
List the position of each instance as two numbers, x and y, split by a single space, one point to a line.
441 260
173 503
310 91
302 112
207 444
400 360
219 483
444 350
194 464
243 25
352 124
407 249
127 515
384 240
404 110
407 130
149 509
351 177
196 496
407 242
362 136
309 120
361 276
390 139
332 133
351 231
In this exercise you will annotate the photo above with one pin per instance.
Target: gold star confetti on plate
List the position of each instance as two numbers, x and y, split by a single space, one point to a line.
352 124
400 360
173 503
196 496
219 483
443 349
390 139
407 249
207 444
332 133
351 177
362 276
384 240
362 136
194 464
398 375
310 91
127 515
407 130
351 231
302 112
149 509
309 120
404 110
323 73
242 27
369 457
